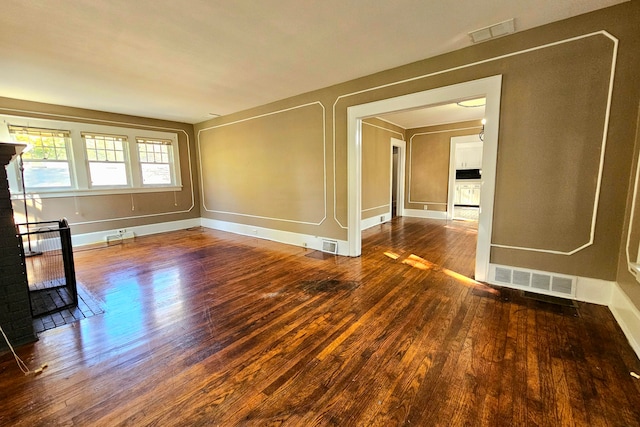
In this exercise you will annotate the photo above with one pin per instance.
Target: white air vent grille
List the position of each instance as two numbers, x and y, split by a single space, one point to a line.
330 246
503 275
533 281
562 285
521 278
540 281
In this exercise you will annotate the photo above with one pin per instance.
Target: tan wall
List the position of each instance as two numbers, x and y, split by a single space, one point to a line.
629 248
376 166
553 114
429 150
105 212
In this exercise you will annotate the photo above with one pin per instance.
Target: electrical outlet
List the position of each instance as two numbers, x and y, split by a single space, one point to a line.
426 207
122 231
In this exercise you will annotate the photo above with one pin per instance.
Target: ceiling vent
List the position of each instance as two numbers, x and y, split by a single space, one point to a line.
493 31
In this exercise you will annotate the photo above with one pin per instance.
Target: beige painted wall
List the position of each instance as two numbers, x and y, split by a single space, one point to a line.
428 163
553 117
376 165
630 245
106 212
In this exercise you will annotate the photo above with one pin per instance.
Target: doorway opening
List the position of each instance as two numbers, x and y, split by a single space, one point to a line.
398 156
465 178
490 88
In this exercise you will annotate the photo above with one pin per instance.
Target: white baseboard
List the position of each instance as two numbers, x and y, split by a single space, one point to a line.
374 220
141 230
595 291
287 237
417 213
627 316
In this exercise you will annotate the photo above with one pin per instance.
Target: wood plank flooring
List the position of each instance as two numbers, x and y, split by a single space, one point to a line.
207 328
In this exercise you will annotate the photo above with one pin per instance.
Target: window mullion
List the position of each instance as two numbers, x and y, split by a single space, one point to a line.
79 162
134 162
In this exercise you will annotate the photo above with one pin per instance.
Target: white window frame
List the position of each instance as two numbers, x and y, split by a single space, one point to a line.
25 157
125 160
79 166
171 153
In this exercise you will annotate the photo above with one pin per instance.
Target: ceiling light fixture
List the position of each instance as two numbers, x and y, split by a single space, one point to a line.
493 31
472 103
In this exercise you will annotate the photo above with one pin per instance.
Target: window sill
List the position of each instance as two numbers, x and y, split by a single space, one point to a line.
51 194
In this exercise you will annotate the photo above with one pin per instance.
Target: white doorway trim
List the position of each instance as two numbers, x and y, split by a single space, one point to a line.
452 170
489 87
402 146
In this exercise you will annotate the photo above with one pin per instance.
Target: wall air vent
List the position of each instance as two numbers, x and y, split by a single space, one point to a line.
541 282
330 246
493 31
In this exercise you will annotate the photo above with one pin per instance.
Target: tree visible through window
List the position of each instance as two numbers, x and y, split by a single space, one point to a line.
155 161
46 159
106 157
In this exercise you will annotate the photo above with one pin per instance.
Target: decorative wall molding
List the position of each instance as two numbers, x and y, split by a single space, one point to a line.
382 128
377 207
632 265
497 58
411 160
324 164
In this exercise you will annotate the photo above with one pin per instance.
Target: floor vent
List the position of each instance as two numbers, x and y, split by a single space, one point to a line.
533 281
330 246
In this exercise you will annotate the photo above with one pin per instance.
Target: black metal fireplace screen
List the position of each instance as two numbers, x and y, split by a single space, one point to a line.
48 257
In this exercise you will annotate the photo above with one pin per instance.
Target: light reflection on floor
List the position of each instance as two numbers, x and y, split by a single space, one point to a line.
422 264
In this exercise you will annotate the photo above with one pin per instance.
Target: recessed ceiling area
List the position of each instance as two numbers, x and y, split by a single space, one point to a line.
435 115
183 60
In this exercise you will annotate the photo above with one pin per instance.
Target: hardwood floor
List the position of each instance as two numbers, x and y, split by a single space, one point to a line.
207 328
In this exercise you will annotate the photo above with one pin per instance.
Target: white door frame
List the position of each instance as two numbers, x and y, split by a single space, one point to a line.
452 169
489 87
402 146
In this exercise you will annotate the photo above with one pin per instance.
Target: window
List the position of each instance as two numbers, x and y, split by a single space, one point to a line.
106 157
46 159
155 161
66 158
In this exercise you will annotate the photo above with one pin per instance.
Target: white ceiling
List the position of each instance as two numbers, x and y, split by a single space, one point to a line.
436 115
180 60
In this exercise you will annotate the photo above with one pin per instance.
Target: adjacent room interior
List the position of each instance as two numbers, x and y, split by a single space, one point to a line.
252 214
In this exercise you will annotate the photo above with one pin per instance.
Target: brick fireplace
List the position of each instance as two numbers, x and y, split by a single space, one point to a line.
15 310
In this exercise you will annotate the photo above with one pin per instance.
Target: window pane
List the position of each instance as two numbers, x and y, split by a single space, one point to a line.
154 173
107 174
46 174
